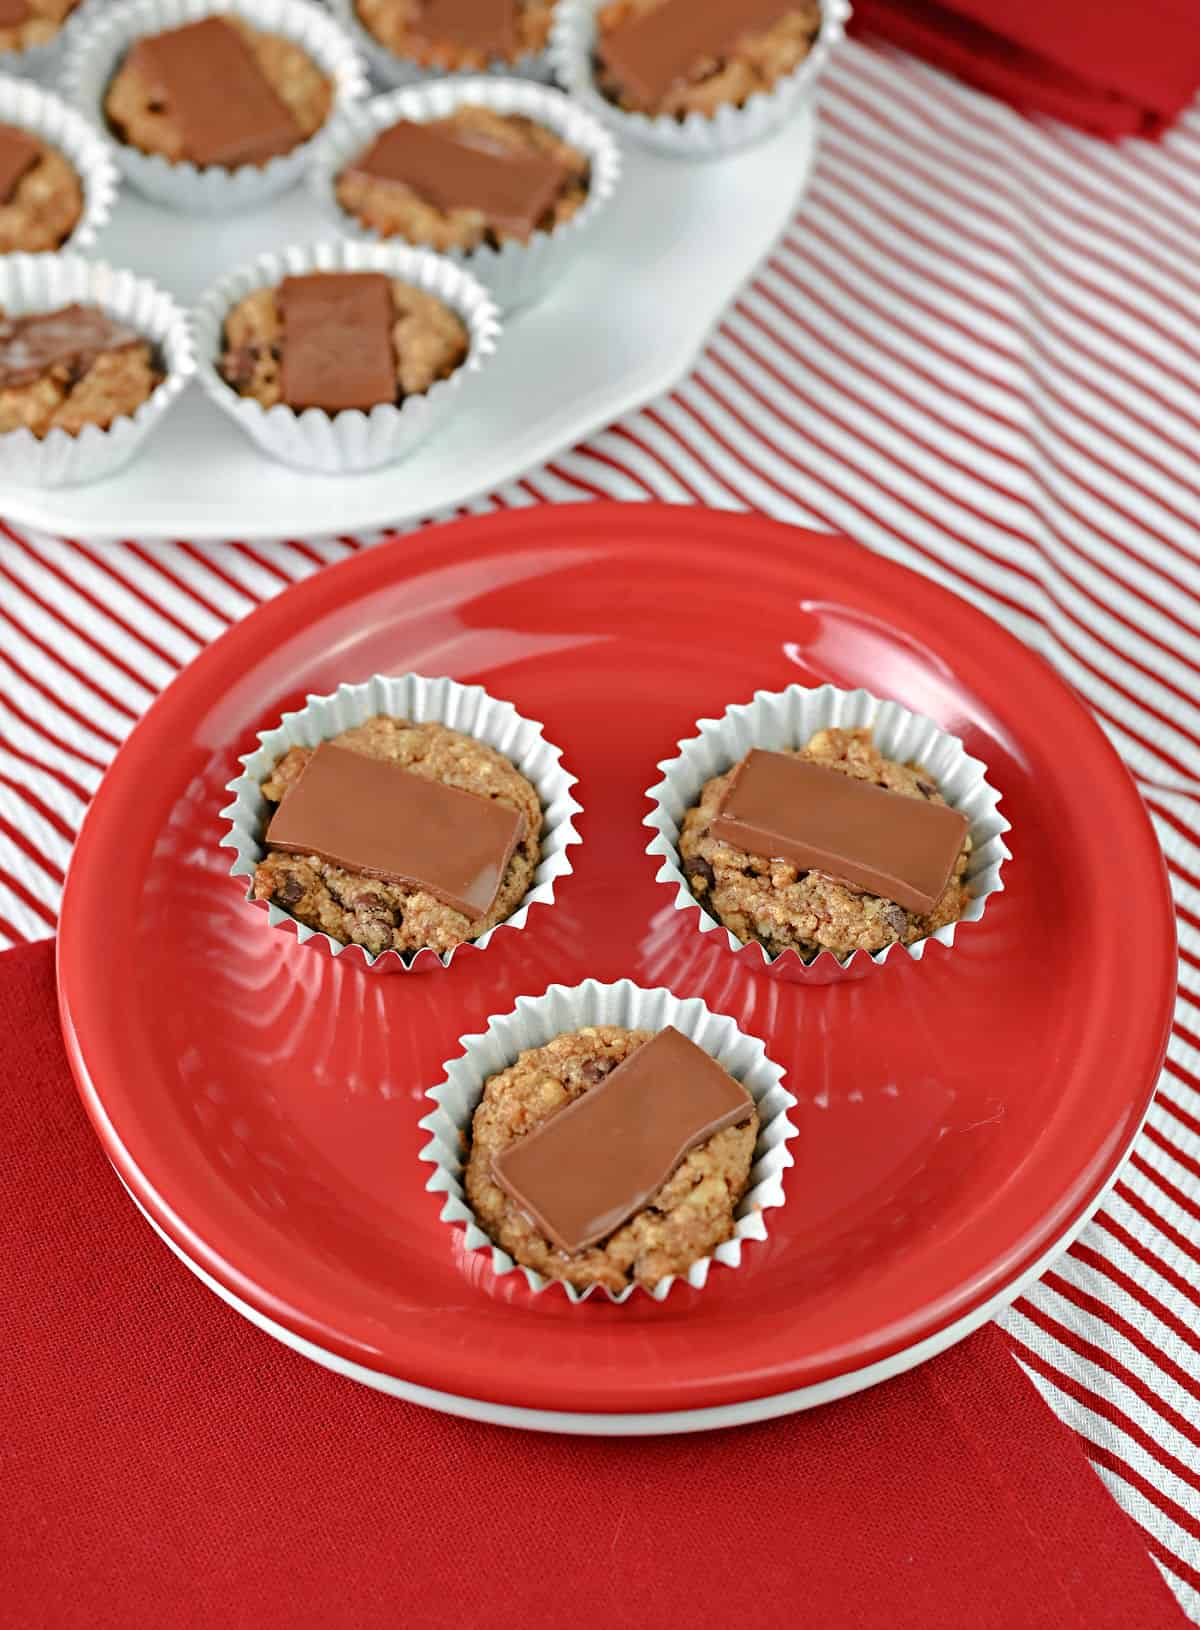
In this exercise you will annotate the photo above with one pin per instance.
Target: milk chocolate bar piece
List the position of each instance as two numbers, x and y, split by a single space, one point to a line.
513 190
486 26
784 807
649 54
72 337
380 820
337 341
591 1166
209 80
13 13
19 152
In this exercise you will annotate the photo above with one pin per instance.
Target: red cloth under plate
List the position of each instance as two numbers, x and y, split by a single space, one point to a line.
1116 67
165 1465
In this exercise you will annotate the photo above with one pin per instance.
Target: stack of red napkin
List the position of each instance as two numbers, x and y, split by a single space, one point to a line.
1114 67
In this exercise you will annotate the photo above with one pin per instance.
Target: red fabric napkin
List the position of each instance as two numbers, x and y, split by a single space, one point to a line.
1115 67
165 1465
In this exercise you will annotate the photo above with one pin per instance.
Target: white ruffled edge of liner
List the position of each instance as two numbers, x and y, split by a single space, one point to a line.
94 53
535 1021
699 136
48 117
350 441
45 282
398 72
515 273
468 708
787 719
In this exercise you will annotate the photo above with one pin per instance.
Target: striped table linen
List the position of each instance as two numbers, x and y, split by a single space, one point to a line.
975 350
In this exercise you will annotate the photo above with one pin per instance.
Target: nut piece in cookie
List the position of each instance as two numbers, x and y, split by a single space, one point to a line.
554 1180
676 57
217 92
395 341
458 35
69 368
401 913
785 904
475 177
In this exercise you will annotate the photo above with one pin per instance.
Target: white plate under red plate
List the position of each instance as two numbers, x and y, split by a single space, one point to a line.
957 1117
662 263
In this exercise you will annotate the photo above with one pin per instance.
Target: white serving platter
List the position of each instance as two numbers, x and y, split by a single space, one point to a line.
678 242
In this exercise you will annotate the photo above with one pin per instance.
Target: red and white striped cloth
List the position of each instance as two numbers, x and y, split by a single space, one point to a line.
976 351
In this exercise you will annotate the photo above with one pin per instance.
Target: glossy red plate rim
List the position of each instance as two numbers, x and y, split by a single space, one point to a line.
285 1306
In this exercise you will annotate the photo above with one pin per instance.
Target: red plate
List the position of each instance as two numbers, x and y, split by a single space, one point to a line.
955 1116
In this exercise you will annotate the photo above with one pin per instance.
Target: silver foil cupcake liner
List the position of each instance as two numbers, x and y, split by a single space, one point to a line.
389 68
535 1021
49 118
787 719
468 708
699 136
515 273
340 443
95 52
44 283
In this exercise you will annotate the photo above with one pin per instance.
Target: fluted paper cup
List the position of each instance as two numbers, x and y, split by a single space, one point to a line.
96 50
42 61
699 136
44 283
468 708
515 273
49 118
535 1021
341 443
780 720
390 68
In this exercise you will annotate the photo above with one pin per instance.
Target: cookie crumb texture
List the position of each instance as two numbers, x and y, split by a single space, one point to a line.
393 23
384 916
394 210
137 118
45 19
85 390
430 341
761 59
45 206
785 909
687 1219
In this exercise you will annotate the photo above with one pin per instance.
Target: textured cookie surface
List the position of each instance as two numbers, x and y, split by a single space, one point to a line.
770 901
688 1217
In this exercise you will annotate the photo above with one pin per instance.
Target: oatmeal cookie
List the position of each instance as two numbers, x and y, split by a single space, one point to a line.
394 210
783 908
429 339
384 916
45 18
136 117
689 1216
394 23
44 207
761 58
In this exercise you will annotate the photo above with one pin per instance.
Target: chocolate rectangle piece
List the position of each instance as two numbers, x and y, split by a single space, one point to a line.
13 13
513 190
19 152
381 820
486 26
648 54
337 341
591 1166
785 807
209 80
